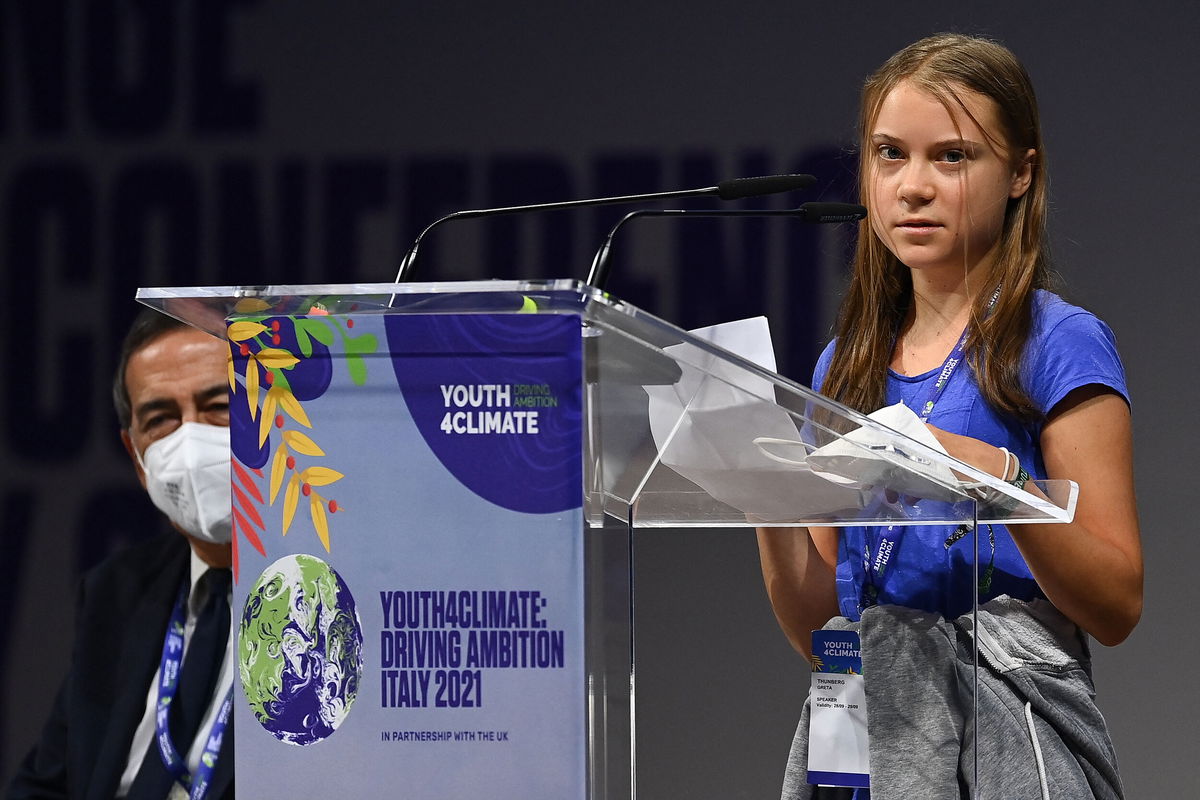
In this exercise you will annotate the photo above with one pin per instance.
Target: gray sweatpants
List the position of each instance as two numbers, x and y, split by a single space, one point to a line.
1040 733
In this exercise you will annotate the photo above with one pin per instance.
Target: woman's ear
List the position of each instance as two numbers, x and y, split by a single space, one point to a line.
1022 175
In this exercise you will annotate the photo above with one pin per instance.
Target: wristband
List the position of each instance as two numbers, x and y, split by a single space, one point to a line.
1022 477
1008 456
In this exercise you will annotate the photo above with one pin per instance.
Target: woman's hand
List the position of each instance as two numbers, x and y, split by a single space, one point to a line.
977 453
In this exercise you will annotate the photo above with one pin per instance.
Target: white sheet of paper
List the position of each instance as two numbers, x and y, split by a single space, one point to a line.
705 425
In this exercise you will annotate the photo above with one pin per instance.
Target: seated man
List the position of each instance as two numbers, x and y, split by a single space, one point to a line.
152 622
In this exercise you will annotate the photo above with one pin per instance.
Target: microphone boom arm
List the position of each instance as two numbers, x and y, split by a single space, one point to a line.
815 212
411 256
734 189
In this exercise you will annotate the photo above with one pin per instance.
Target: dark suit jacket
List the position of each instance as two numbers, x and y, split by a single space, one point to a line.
121 617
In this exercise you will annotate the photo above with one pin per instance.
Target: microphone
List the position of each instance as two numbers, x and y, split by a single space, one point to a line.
816 213
734 189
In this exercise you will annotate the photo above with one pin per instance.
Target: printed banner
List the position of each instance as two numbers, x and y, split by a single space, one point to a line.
407 496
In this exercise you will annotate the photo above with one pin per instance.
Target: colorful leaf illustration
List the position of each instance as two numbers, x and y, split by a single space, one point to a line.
249 532
316 508
252 384
271 403
241 331
320 476
277 358
302 340
247 506
291 496
356 347
289 403
248 482
268 413
251 305
302 444
317 329
278 469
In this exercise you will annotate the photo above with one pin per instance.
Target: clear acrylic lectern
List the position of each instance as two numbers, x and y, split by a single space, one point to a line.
659 428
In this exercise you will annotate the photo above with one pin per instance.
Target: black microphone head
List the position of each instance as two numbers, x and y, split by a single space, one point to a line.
738 188
832 212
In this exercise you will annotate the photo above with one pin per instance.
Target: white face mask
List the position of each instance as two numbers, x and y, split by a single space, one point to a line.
187 476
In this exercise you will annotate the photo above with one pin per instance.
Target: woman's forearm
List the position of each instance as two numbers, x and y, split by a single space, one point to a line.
799 580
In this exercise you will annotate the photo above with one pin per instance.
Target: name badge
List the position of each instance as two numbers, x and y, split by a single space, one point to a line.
838 751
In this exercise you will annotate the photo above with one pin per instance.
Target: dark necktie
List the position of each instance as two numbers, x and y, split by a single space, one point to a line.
197 680
201 665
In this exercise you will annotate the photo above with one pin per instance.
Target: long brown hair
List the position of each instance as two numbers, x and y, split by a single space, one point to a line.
880 289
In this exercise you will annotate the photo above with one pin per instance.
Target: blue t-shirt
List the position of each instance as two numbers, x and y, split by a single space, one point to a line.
929 569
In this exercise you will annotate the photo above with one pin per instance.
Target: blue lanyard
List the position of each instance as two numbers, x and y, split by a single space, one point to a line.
168 684
874 568
950 365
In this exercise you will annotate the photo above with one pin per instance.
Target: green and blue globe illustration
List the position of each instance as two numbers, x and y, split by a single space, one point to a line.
300 650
